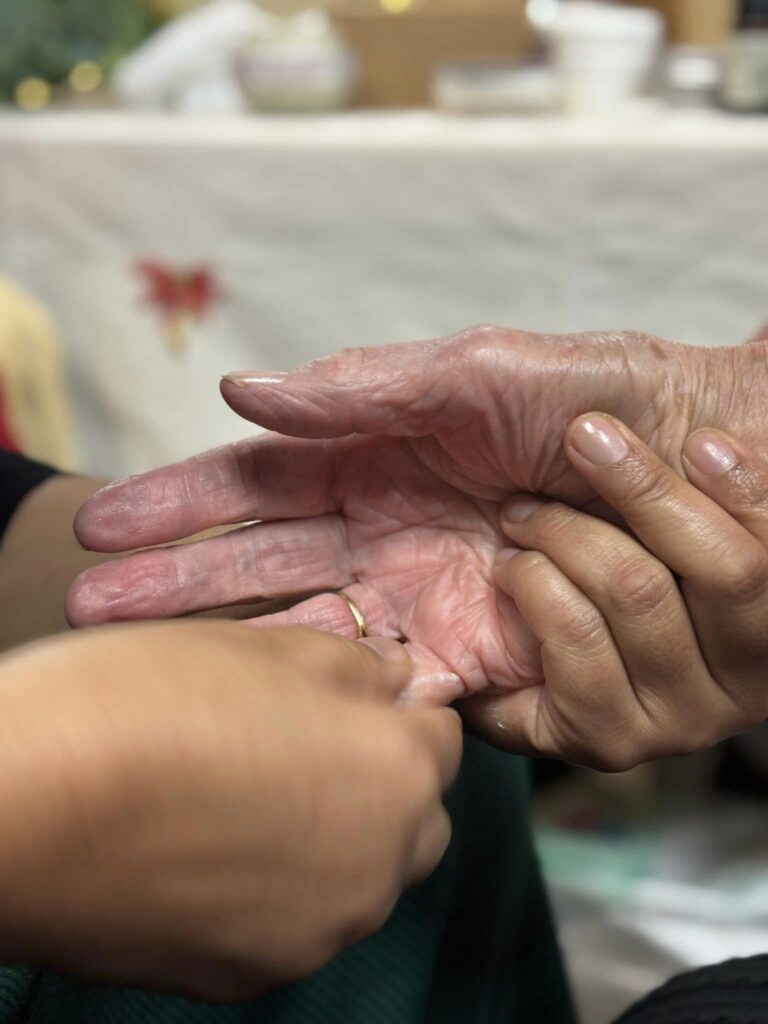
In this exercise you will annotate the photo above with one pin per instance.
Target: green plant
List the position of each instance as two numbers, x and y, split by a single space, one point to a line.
46 38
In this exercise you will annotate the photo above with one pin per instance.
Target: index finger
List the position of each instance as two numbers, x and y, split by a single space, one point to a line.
688 531
735 476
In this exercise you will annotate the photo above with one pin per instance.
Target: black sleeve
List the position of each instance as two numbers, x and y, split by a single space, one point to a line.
18 476
735 992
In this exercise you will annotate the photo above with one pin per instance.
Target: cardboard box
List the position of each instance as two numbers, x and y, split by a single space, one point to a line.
401 7
399 52
696 22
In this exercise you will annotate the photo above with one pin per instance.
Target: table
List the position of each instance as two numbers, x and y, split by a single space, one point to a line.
312 234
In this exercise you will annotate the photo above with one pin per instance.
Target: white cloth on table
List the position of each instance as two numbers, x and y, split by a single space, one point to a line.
363 229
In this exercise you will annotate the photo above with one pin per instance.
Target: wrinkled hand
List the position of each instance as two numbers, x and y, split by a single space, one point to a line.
389 486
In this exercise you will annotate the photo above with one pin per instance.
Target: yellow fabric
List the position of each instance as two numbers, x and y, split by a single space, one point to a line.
32 379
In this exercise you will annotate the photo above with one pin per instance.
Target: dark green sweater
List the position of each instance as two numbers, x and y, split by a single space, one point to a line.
474 945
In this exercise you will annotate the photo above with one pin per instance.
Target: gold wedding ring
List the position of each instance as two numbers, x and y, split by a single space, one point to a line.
357 615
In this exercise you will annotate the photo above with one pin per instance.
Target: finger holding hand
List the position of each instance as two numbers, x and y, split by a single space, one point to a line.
586 711
622 668
731 474
652 644
712 536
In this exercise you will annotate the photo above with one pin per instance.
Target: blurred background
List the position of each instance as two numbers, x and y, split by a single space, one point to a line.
188 188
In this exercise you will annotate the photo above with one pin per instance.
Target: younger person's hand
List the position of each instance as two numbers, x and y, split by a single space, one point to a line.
654 644
209 808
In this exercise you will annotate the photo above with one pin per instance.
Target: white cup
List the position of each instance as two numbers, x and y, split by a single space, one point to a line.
604 53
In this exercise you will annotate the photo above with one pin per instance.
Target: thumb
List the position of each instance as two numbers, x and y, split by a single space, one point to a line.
508 721
395 390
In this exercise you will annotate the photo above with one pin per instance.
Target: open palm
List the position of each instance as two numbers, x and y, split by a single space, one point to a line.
413 552
388 486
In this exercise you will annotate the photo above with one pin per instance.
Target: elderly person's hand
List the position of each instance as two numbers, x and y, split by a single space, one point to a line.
391 482
653 644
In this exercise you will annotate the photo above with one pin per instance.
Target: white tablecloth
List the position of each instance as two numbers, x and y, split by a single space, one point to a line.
362 229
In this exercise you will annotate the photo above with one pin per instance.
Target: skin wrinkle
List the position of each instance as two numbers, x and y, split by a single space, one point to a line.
670 410
743 397
217 475
246 473
303 401
438 514
443 402
145 582
375 476
416 537
465 434
478 646
529 430
116 503
245 562
431 453
264 560
752 493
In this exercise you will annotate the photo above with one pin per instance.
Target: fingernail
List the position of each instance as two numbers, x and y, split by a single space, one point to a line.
248 378
598 441
389 650
710 454
504 556
517 510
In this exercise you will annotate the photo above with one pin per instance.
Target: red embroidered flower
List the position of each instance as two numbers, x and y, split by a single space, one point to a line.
183 297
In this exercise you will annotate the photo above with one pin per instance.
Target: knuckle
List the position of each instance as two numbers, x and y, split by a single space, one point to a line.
479 344
640 586
443 834
424 778
410 769
743 574
618 746
358 912
635 339
531 568
583 626
368 918
647 485
345 364
482 334
620 757
454 735
379 912
659 741
552 522
750 486
695 740
431 855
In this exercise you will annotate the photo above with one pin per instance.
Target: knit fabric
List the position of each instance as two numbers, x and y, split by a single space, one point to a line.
474 945
735 992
